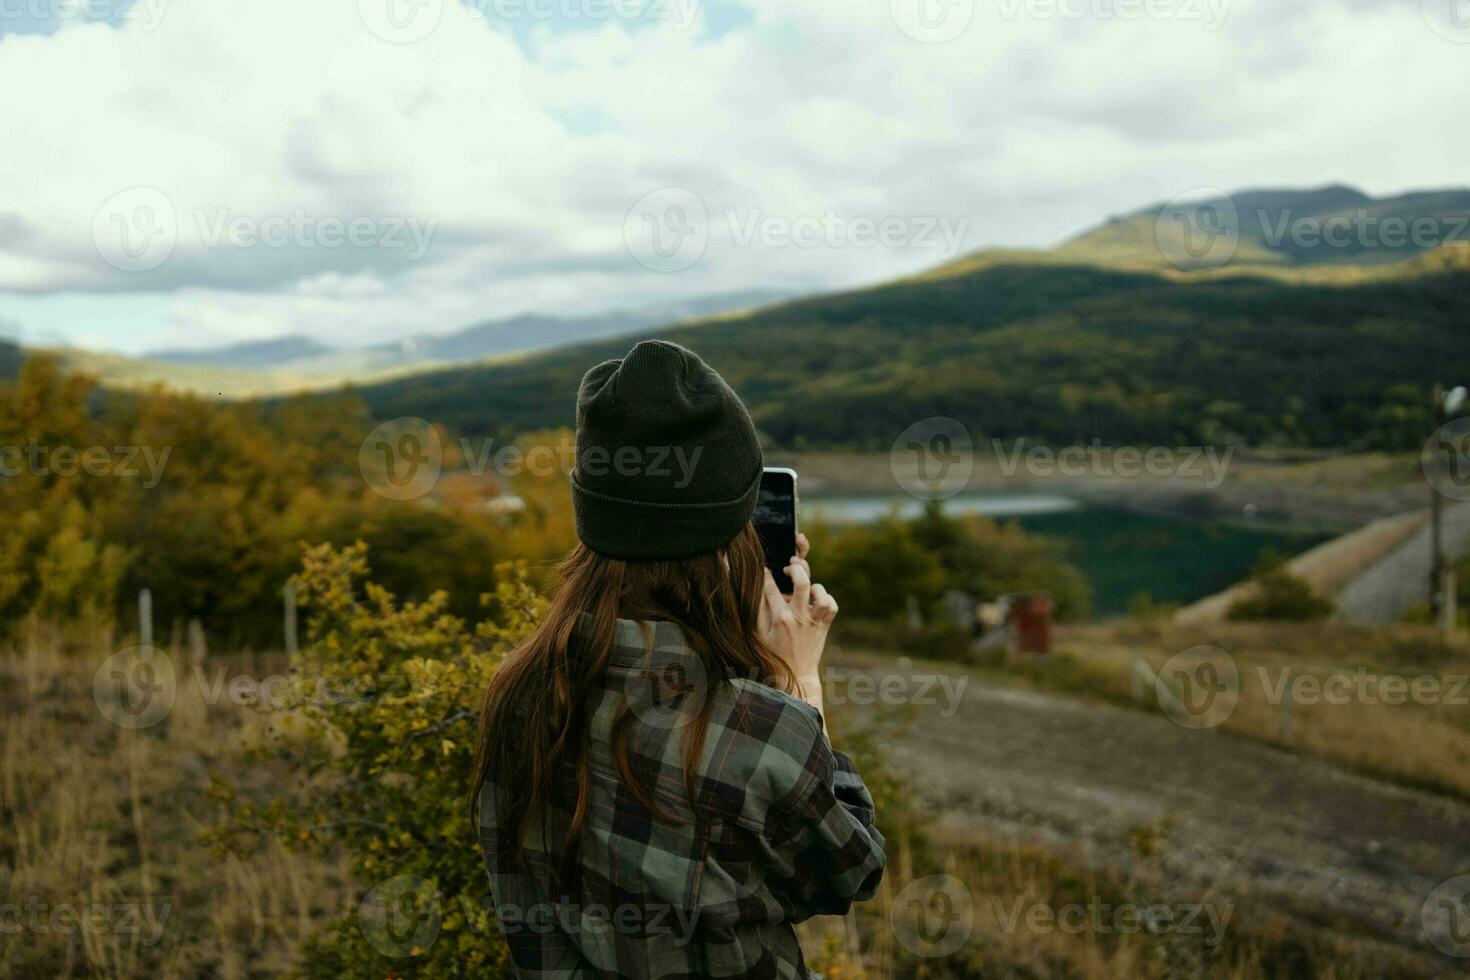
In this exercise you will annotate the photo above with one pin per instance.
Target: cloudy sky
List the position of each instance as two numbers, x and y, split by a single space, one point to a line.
195 172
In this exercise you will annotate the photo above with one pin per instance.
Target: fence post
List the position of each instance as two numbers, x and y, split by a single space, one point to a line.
145 618
1448 614
196 642
915 616
289 594
1286 712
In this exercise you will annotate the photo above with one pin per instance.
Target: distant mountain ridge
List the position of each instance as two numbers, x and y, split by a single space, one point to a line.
1325 226
246 355
304 356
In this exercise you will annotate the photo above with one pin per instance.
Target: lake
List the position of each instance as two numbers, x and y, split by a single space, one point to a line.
1122 552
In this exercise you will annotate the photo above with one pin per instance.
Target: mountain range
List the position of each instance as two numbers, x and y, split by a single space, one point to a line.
306 357
1112 336
1314 317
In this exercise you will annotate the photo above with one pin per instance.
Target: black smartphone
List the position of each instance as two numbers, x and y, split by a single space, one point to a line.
775 521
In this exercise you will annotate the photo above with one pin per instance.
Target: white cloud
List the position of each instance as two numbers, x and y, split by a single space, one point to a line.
270 127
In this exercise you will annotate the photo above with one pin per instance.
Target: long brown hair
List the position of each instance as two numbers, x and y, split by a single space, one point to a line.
534 719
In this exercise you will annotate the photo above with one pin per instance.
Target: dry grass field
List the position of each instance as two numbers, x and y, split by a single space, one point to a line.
100 849
106 874
1392 702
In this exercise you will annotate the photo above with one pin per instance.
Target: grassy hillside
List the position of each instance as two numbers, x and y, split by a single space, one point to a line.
1055 352
120 372
1290 229
123 372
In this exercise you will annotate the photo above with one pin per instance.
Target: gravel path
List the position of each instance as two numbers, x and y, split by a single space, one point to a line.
1301 834
1385 590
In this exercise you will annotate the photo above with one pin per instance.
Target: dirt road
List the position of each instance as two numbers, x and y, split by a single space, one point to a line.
1308 837
1386 590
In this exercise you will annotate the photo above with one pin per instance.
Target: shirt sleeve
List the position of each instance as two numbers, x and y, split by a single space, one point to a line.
825 848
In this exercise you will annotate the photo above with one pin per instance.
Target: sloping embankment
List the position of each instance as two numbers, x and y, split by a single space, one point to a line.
1330 568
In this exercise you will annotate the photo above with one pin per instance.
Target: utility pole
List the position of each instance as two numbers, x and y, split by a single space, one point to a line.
1441 603
1436 504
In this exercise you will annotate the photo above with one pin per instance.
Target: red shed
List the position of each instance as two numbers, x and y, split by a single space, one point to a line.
1028 620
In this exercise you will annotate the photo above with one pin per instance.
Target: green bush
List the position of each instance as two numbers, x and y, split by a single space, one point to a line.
932 642
379 725
1144 609
874 569
1280 596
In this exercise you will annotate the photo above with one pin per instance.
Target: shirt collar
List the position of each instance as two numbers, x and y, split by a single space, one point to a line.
638 643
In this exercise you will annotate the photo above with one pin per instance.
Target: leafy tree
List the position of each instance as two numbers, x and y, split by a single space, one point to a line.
874 569
988 559
204 504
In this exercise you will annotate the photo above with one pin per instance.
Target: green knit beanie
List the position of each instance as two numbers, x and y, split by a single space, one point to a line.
668 463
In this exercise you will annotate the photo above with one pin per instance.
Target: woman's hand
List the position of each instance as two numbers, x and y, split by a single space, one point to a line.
796 626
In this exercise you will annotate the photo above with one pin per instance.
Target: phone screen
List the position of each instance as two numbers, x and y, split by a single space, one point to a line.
775 521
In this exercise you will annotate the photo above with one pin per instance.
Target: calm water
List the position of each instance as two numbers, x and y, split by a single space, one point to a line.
1121 552
864 509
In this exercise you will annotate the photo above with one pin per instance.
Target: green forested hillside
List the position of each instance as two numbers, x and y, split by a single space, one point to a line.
1054 352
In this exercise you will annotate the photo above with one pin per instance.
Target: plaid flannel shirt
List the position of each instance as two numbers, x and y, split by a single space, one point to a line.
781 829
